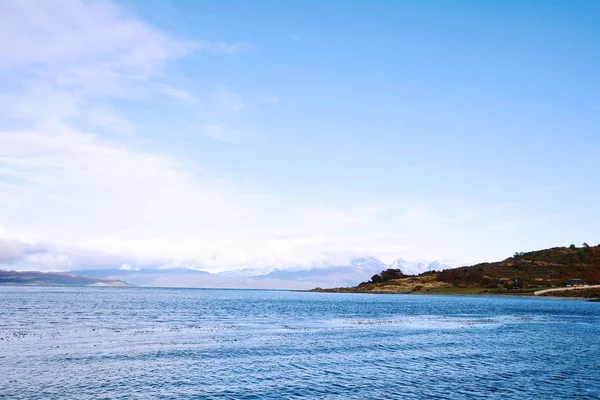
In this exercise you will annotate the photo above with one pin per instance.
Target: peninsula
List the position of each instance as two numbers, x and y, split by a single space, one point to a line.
576 270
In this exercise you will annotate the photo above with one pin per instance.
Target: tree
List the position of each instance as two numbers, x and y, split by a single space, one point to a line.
586 245
376 278
572 246
390 274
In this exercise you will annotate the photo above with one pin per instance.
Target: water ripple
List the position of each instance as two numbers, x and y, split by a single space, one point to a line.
120 343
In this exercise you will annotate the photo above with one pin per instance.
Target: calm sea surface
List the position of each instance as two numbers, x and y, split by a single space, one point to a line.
118 343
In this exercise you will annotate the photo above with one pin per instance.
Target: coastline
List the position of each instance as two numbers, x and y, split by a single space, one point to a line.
521 296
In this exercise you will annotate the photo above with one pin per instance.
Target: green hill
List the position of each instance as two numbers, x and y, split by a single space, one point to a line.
541 268
523 273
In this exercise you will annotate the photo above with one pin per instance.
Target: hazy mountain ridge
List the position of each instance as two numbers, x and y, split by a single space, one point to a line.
415 268
358 270
36 278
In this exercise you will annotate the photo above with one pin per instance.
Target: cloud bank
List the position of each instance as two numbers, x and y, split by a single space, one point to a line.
75 195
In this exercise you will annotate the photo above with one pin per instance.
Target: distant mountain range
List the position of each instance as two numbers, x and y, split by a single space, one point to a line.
358 270
416 268
36 278
538 268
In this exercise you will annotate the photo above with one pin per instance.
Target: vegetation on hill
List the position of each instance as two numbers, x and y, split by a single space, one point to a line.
521 274
387 275
53 279
542 268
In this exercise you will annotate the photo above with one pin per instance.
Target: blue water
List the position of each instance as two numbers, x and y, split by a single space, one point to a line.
119 343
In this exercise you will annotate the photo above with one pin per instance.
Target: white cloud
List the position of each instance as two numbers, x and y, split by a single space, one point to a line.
65 60
135 205
71 197
77 33
128 267
15 250
89 45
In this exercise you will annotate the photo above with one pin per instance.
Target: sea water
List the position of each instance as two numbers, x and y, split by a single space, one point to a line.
146 343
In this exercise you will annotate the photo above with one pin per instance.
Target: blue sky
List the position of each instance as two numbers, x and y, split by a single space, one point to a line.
232 134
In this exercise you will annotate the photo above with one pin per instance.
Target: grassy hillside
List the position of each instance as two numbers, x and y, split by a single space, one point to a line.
542 268
526 272
52 279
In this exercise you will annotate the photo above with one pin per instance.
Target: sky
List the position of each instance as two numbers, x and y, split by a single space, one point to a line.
223 135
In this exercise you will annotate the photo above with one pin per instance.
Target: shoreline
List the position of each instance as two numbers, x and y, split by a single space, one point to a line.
521 296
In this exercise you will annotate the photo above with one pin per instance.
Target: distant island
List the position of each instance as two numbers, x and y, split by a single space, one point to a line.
36 278
560 271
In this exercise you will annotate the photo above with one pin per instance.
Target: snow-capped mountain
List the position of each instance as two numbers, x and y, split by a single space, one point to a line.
359 269
368 264
415 268
437 266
